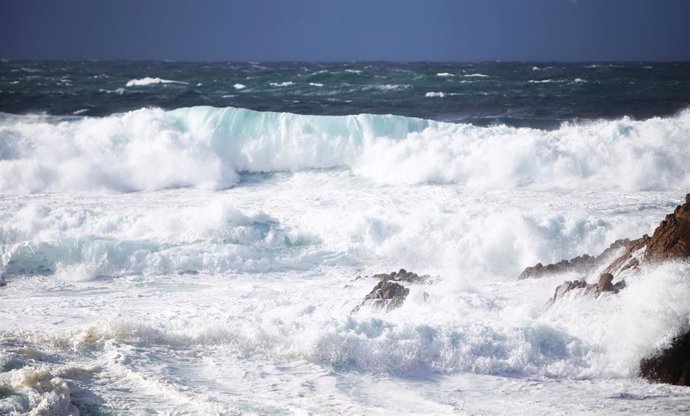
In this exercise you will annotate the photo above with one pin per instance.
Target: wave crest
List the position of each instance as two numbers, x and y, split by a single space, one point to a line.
207 147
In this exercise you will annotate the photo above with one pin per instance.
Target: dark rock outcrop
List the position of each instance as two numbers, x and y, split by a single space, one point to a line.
403 275
386 294
671 365
389 293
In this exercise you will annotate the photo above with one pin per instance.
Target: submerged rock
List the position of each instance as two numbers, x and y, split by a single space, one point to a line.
671 365
388 293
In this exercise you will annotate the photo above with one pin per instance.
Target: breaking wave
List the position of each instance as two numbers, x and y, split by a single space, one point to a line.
206 147
150 81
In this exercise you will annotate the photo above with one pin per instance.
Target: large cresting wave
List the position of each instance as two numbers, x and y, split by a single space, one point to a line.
207 147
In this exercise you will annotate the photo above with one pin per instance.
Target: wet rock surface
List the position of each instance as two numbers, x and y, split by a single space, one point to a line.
604 284
670 241
388 293
672 365
582 264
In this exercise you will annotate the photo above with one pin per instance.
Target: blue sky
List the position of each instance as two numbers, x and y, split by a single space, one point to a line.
346 30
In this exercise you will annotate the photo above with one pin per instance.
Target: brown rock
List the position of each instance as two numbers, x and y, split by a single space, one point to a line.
580 264
566 287
605 283
387 294
670 241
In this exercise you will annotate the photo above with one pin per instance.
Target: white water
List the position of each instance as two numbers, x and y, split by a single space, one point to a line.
211 299
150 81
207 148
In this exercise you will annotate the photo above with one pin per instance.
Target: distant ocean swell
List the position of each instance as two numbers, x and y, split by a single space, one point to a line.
207 147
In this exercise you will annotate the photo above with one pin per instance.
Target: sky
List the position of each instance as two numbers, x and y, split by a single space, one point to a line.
346 30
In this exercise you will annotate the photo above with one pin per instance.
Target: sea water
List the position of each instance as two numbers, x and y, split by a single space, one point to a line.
182 238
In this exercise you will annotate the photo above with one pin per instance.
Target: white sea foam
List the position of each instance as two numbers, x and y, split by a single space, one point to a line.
391 87
207 147
184 300
150 81
118 91
476 75
35 391
445 74
281 84
239 86
316 84
435 94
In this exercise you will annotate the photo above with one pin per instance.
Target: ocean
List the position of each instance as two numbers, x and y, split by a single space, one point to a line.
192 238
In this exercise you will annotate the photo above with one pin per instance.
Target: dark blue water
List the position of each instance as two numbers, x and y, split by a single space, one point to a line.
519 94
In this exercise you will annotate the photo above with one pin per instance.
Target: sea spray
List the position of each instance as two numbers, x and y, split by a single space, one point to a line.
209 148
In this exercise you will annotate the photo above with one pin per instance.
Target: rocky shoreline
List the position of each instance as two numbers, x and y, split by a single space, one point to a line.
669 242
622 259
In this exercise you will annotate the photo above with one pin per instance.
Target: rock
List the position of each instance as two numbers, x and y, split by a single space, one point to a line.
605 283
670 241
403 275
579 264
2 279
387 294
583 264
629 260
390 294
566 287
671 365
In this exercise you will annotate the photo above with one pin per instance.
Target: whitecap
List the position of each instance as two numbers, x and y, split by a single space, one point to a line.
281 84
150 81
